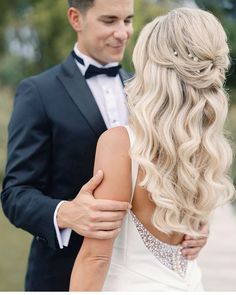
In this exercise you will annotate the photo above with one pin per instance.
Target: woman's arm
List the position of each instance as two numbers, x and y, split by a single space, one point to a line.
92 263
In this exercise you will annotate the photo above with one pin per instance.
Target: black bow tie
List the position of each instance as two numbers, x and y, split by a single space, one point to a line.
94 71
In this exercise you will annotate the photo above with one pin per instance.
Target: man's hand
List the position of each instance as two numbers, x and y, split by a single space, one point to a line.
90 217
192 246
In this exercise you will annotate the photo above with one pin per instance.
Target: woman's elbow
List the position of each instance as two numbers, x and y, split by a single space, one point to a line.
99 260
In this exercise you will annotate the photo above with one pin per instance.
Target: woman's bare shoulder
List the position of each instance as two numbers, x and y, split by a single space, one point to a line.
112 157
117 137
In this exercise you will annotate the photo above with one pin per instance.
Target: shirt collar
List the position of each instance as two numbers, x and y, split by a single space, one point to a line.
89 61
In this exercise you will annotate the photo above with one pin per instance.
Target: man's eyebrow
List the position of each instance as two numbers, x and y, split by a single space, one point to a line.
115 17
130 16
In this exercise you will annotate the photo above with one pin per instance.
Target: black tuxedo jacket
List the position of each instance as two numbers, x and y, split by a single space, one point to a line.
53 133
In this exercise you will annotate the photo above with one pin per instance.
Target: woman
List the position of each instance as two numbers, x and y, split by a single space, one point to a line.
171 162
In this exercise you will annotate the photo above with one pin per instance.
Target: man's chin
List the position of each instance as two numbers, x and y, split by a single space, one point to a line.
116 58
112 58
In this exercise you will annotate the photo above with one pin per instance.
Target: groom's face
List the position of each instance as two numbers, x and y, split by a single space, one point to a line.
105 28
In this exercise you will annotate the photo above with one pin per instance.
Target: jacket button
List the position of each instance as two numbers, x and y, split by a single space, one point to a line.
40 239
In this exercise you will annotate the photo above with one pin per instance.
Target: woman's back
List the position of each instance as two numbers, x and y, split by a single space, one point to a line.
143 208
144 258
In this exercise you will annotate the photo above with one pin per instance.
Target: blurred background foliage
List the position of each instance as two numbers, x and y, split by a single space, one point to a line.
35 35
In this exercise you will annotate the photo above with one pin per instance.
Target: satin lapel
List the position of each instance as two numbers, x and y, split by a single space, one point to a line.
124 76
78 89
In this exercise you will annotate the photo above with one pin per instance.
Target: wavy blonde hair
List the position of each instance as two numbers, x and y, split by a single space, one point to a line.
177 111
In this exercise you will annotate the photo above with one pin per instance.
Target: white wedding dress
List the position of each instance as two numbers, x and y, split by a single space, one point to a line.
140 262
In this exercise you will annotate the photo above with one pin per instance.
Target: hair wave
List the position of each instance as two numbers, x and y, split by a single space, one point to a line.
178 107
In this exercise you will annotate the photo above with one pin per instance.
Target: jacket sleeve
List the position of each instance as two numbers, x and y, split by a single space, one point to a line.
24 198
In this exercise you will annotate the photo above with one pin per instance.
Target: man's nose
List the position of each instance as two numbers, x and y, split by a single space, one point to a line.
122 32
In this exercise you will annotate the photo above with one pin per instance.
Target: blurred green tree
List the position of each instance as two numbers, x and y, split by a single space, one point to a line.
36 35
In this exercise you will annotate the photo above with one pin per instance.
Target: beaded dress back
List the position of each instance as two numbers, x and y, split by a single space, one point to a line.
169 255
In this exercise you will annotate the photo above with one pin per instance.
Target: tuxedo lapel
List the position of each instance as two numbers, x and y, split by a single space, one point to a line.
75 84
124 76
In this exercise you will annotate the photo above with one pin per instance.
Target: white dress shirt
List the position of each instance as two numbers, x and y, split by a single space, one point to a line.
110 98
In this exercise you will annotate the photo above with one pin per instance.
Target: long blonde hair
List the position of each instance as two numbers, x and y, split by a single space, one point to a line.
177 111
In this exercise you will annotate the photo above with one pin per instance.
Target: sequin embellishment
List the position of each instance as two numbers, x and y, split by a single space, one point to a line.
169 255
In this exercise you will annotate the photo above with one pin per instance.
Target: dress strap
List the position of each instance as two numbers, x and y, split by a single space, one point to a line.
134 164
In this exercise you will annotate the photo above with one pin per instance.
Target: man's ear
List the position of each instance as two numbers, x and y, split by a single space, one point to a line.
75 19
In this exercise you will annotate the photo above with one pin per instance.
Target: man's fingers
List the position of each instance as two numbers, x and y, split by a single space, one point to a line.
204 229
108 216
194 243
187 237
191 251
191 257
103 235
93 183
105 226
110 205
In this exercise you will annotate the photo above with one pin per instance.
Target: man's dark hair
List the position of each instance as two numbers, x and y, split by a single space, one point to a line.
82 5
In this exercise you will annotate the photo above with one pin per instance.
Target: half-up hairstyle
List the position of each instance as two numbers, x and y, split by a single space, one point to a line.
177 111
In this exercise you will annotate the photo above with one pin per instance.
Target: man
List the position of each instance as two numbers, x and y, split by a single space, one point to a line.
57 119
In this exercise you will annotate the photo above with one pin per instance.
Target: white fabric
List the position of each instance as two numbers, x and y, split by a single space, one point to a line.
134 268
134 165
63 235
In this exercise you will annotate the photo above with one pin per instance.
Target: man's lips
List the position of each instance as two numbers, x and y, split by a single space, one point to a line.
117 45
120 46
